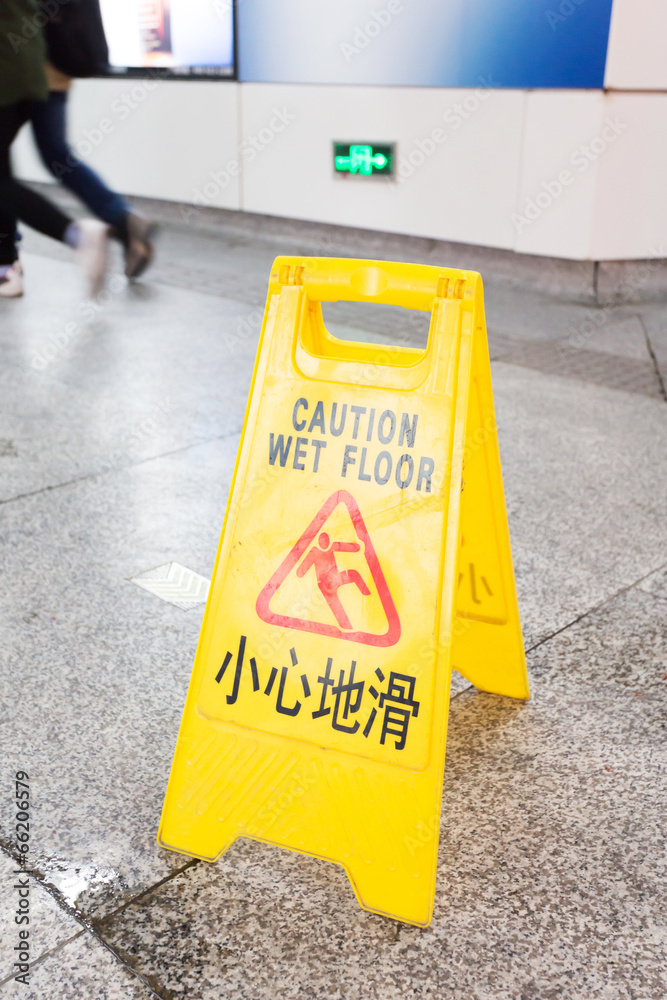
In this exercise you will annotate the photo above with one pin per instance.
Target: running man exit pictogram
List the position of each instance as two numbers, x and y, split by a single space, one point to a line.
356 605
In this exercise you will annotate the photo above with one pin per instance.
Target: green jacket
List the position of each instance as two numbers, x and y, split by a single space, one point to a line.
22 52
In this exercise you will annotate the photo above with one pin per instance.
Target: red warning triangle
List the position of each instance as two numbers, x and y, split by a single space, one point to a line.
320 560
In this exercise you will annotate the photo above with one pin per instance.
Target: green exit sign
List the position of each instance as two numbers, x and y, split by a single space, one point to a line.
364 159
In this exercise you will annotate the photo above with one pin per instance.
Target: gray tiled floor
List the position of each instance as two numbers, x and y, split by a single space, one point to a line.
51 923
118 432
550 857
81 968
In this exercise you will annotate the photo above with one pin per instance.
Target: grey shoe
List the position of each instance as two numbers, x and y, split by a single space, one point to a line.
139 248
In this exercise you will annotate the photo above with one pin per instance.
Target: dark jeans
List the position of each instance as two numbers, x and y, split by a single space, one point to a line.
49 126
16 200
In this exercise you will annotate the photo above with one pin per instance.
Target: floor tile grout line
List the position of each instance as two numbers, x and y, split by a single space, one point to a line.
119 468
596 607
656 366
100 923
55 894
133 972
40 878
47 954
508 359
462 691
89 924
96 927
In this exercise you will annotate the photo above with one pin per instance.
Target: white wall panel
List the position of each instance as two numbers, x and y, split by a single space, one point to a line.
630 218
637 51
491 176
161 139
554 212
462 187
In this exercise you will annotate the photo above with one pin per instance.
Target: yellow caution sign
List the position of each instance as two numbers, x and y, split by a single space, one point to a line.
365 552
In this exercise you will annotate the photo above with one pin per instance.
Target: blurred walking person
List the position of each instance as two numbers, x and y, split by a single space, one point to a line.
77 47
22 81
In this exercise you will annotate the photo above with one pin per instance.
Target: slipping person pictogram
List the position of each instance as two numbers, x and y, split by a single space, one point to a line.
329 577
315 549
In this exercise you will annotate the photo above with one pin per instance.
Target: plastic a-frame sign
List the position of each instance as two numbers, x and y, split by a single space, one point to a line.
365 552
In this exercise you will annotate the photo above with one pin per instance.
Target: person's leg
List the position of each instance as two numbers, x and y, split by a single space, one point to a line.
49 124
16 200
19 202
8 253
48 119
31 208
